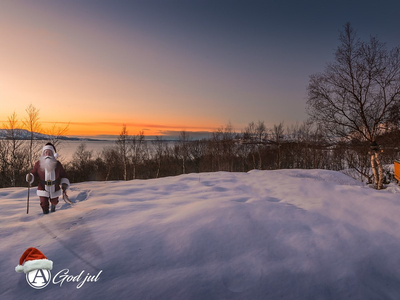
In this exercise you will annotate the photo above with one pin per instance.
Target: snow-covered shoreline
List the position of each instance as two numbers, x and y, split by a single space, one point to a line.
284 234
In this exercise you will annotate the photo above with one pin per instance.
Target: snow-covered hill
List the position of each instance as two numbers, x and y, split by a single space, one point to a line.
286 234
23 134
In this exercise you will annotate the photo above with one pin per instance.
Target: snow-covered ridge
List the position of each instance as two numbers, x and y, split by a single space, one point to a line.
284 234
23 134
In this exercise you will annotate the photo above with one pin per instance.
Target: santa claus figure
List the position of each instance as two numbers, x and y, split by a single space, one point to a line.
50 173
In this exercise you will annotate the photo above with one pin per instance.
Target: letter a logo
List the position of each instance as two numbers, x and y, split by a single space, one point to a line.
38 279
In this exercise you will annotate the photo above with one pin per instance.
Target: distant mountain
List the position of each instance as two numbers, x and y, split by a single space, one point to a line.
23 134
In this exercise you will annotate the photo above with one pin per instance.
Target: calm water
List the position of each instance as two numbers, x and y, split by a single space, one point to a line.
67 148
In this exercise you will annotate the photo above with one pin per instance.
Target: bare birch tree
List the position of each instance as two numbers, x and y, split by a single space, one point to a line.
255 137
137 149
14 144
250 141
277 135
159 150
55 134
110 156
123 148
183 149
356 92
31 123
229 146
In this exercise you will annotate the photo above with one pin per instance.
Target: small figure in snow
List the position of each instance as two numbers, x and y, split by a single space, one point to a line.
51 174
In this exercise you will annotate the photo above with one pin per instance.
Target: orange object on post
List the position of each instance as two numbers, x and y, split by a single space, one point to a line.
397 170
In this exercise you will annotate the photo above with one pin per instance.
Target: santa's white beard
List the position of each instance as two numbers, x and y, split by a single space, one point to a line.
48 163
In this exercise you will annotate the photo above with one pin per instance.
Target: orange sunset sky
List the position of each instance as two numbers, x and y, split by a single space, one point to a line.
165 66
94 75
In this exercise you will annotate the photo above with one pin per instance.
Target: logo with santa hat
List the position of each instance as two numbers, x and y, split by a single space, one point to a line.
36 266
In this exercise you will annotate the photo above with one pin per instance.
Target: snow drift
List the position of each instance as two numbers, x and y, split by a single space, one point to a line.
287 234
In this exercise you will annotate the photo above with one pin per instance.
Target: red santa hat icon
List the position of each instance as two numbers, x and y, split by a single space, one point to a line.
33 259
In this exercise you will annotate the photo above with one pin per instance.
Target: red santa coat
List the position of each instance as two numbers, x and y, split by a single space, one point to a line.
55 178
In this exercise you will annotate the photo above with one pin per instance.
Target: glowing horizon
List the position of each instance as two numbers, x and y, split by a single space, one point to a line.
109 128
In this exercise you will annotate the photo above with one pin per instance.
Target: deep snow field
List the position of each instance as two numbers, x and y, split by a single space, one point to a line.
284 234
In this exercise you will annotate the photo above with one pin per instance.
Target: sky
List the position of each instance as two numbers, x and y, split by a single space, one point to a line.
172 65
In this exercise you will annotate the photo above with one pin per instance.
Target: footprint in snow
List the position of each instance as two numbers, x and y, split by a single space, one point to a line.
272 199
242 200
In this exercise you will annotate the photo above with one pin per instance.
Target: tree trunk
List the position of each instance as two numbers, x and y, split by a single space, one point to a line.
158 168
377 169
125 171
108 173
259 158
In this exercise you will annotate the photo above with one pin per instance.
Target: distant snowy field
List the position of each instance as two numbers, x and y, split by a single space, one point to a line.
285 234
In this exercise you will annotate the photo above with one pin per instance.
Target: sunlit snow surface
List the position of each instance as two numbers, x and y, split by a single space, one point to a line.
286 234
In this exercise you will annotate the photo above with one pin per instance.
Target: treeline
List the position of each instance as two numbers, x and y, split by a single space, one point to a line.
302 146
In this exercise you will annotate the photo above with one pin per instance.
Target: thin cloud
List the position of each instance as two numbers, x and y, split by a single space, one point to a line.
119 124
